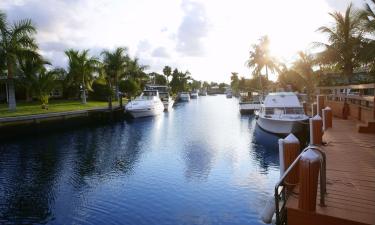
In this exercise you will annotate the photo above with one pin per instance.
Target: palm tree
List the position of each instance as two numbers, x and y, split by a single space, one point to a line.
344 41
167 71
260 58
135 69
114 65
304 67
30 65
368 17
15 40
43 85
82 69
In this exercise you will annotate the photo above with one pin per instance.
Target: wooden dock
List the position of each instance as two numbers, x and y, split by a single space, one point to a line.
350 195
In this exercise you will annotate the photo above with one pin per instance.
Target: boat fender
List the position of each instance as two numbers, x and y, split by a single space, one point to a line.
268 211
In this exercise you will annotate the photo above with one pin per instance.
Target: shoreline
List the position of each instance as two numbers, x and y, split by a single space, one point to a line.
11 127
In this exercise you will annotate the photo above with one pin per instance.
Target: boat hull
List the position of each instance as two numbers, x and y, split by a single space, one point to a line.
280 126
137 113
194 96
168 105
184 99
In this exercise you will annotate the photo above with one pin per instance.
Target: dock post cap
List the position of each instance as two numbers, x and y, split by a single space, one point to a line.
291 139
316 117
327 108
310 155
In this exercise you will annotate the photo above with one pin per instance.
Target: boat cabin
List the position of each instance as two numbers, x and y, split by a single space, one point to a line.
282 103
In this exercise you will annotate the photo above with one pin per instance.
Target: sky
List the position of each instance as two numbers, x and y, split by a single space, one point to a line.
209 38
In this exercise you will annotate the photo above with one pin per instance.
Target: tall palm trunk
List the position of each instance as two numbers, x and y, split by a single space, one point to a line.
117 97
110 95
28 95
266 72
83 90
11 89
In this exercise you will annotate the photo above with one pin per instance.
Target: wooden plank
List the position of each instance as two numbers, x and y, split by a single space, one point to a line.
350 174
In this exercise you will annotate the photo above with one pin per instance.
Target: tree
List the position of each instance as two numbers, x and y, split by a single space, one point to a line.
160 79
81 69
179 81
43 85
260 58
134 69
15 40
130 87
291 77
304 67
30 66
234 84
167 71
368 17
114 64
344 41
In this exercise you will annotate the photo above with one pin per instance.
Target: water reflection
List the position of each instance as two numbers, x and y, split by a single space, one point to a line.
200 163
198 159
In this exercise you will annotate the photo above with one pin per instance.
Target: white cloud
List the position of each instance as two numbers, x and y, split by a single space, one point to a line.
192 30
160 52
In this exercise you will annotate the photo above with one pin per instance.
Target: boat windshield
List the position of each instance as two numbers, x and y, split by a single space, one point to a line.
279 111
147 95
164 96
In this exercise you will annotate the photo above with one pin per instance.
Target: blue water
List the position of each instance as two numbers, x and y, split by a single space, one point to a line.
201 163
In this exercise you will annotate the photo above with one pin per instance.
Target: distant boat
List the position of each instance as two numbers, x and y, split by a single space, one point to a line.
184 96
249 102
229 94
194 94
147 104
163 95
282 113
202 93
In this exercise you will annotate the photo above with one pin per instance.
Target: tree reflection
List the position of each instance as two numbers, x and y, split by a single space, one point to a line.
198 160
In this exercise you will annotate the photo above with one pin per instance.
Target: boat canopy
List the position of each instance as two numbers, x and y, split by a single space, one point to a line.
281 100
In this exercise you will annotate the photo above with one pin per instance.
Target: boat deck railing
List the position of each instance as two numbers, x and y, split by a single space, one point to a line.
281 193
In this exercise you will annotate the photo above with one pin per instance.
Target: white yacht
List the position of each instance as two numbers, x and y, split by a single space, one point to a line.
147 104
203 92
194 94
229 94
167 100
184 96
282 113
163 90
249 102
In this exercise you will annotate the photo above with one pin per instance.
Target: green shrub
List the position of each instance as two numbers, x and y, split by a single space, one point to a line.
100 91
129 87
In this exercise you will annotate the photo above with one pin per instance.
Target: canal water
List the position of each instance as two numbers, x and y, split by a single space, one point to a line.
201 163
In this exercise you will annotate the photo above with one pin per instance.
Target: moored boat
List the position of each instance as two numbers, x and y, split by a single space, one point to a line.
164 95
194 94
184 96
249 103
203 92
282 113
147 104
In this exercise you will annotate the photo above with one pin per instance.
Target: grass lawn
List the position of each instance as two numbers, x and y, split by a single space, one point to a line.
29 108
